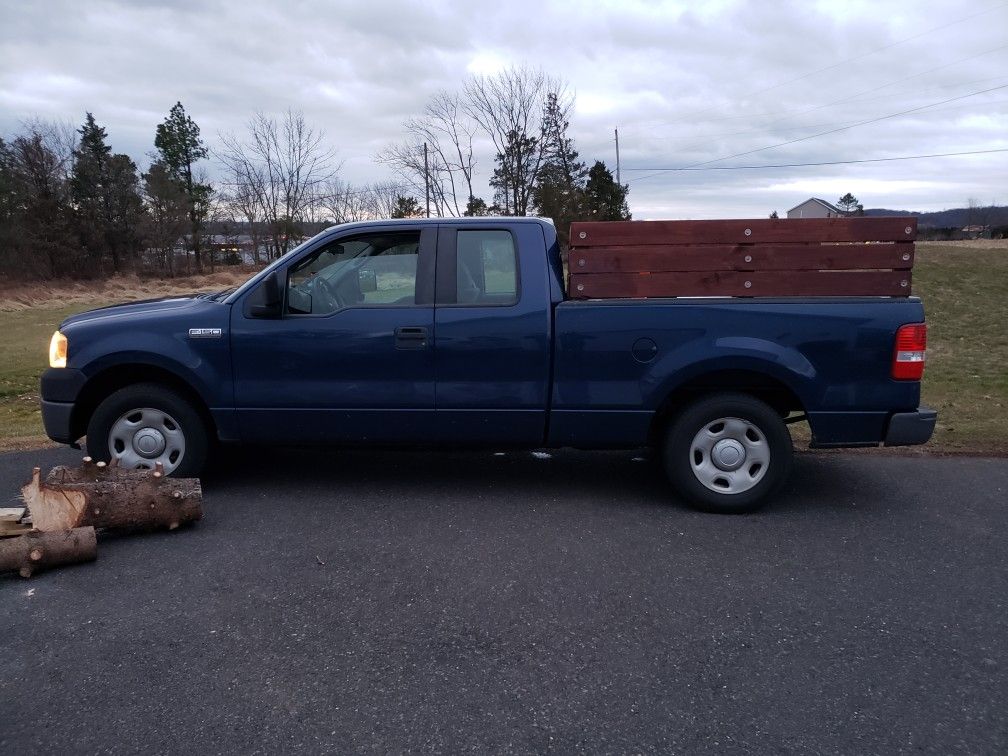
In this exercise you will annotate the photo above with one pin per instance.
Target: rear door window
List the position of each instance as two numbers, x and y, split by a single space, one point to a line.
486 268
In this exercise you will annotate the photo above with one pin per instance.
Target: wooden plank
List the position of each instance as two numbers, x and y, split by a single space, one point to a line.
10 529
11 514
754 231
709 257
740 284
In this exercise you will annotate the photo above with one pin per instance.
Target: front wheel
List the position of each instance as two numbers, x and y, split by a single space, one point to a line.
145 425
728 453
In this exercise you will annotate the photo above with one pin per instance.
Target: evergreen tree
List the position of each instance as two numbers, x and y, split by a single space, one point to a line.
88 182
605 200
559 189
106 194
125 210
179 147
168 214
849 205
514 176
476 207
406 207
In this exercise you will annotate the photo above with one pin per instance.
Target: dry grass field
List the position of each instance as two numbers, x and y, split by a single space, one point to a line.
57 294
964 286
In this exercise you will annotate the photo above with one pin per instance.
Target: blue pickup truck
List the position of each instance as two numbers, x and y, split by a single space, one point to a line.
459 332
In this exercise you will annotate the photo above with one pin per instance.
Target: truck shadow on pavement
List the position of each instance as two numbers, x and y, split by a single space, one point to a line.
567 476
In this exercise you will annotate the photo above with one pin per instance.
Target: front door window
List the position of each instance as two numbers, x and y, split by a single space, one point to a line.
371 269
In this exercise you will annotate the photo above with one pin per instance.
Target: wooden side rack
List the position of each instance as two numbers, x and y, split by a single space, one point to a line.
787 257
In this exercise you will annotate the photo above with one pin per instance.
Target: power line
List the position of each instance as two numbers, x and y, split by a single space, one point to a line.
782 114
891 83
808 126
850 126
661 171
880 49
842 62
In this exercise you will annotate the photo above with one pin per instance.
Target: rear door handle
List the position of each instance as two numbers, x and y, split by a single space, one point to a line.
410 337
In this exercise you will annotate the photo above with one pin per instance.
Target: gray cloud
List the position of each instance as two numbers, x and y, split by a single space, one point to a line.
684 82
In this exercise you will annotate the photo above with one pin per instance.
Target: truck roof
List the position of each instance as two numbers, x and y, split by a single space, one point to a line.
466 221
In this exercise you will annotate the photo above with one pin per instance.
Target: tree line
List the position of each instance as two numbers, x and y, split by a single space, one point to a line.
71 206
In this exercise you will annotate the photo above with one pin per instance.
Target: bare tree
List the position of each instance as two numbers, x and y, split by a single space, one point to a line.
38 234
286 163
341 203
380 199
509 107
448 131
59 137
244 196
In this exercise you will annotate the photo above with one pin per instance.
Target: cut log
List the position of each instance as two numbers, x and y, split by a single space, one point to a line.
36 551
109 497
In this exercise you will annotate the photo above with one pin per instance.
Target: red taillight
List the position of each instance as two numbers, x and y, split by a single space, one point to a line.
908 356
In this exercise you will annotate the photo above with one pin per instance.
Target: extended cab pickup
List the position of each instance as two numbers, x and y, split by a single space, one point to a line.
459 332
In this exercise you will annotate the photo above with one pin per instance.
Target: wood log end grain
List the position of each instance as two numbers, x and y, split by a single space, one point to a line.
52 508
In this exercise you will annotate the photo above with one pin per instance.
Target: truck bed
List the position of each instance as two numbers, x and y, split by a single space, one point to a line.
617 361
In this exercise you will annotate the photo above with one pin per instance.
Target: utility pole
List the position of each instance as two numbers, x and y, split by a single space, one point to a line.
617 157
426 175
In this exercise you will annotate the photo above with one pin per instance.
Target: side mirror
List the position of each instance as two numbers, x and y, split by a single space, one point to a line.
368 280
267 300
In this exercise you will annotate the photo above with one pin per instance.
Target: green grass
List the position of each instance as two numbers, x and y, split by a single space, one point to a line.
965 293
24 354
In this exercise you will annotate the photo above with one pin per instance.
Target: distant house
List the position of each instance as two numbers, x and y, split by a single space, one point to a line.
814 207
976 232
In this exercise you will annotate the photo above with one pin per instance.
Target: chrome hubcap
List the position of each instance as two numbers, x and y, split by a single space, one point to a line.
145 437
729 455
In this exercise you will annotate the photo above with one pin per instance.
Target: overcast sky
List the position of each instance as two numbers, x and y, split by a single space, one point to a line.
685 83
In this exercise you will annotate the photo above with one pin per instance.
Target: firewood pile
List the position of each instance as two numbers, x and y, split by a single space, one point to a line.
62 512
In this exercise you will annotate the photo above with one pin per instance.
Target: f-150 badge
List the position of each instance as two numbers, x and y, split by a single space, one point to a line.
204 333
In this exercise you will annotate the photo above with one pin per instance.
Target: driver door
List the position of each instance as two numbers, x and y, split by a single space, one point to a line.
351 359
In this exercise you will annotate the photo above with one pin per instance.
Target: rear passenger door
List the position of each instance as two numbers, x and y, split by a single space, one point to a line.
492 334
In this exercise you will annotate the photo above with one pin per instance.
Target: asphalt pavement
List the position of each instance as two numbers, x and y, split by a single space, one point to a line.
352 601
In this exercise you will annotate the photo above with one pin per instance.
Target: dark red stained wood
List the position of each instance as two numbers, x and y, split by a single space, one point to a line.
761 230
733 284
709 257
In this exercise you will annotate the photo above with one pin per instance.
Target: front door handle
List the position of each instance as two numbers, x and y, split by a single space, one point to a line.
410 337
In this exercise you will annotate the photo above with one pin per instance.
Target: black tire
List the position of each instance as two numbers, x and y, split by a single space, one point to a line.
158 397
680 457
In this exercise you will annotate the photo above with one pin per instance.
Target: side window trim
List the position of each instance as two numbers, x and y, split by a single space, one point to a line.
447 260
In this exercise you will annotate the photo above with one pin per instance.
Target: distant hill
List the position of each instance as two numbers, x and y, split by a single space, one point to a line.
996 215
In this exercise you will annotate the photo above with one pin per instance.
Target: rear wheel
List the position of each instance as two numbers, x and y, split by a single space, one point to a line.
728 453
148 424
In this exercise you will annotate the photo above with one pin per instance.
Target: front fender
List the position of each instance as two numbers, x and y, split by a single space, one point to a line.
189 339
212 387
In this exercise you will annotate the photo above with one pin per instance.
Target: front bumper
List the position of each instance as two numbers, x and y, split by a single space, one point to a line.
57 419
911 428
60 388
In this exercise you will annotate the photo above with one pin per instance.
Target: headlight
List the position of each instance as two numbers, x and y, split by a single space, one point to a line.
57 350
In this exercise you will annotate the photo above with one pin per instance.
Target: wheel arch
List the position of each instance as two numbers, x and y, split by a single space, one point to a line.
109 380
760 385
